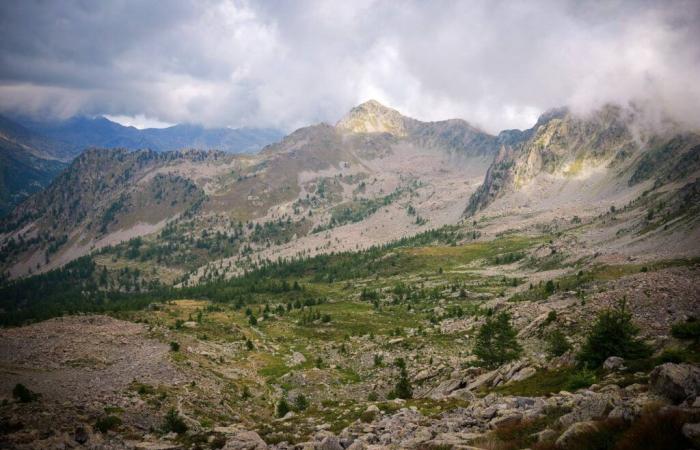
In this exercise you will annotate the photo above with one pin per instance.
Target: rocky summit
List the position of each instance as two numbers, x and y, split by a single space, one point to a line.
381 283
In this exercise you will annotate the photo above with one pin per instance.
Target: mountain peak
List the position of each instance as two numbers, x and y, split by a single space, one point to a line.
373 117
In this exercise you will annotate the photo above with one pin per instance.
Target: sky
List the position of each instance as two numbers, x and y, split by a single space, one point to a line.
287 64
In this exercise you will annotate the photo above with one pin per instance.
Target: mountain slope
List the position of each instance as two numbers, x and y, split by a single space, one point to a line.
320 189
603 152
27 164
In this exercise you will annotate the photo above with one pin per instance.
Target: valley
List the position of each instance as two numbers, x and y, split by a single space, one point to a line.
380 283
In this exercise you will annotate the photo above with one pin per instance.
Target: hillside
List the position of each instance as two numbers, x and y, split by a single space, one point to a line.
332 292
27 164
321 188
638 185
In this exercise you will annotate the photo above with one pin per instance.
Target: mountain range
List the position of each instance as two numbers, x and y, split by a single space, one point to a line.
33 152
380 282
374 177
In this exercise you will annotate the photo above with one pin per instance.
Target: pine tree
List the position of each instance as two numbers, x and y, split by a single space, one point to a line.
496 342
613 334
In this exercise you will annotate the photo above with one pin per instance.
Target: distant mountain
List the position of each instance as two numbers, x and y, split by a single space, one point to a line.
27 164
567 159
74 135
375 176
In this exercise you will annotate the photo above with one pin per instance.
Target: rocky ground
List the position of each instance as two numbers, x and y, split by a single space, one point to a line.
86 368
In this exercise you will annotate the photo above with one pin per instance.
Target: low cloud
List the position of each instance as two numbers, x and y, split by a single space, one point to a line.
289 64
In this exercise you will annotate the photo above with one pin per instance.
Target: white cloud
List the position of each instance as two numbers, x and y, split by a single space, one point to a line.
139 121
289 64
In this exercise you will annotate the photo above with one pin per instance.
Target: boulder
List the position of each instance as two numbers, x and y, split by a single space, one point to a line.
692 432
575 431
357 445
330 443
506 420
675 382
463 394
614 363
592 406
545 435
524 373
146 445
445 388
245 440
82 434
482 380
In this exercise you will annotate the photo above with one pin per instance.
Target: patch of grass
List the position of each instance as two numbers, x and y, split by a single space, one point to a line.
686 330
547 382
107 423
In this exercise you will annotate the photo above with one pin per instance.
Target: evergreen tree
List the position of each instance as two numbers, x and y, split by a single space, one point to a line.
613 334
496 343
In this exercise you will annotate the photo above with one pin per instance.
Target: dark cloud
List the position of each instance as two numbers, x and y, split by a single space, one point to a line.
287 64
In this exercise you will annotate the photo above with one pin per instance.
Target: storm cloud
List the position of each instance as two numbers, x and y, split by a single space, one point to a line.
289 64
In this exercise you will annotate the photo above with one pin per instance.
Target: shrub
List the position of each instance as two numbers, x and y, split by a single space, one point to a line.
23 394
106 423
174 346
657 429
300 402
173 422
557 344
372 397
551 317
403 388
282 407
613 334
686 330
581 379
368 416
496 342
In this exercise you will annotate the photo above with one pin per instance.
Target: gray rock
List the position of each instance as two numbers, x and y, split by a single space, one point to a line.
574 431
507 420
330 443
545 435
482 379
245 440
523 374
445 388
463 394
357 445
614 363
81 434
488 413
676 382
622 412
692 432
590 407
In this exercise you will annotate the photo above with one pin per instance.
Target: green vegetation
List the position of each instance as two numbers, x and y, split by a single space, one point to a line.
613 334
545 382
557 344
403 388
686 330
22 394
282 407
107 423
496 342
173 422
